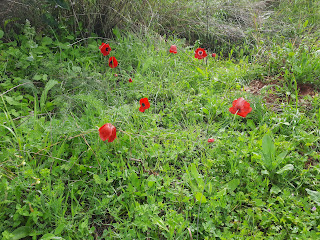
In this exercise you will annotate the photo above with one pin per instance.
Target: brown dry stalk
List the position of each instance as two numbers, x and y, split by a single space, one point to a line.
190 233
14 88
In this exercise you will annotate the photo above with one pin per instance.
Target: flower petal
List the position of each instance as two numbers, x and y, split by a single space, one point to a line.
105 131
240 107
144 102
142 109
173 49
113 134
113 62
200 53
232 110
105 49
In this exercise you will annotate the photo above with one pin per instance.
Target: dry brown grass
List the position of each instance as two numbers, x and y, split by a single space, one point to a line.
215 22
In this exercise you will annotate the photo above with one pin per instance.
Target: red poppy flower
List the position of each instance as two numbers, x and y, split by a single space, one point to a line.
200 53
240 107
113 62
130 80
108 131
105 49
214 55
173 49
144 102
210 140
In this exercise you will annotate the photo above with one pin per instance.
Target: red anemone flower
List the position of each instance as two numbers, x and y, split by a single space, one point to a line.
130 79
240 107
214 55
210 140
200 53
173 49
113 62
144 102
108 131
105 49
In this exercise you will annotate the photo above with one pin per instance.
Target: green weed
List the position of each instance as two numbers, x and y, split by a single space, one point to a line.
160 178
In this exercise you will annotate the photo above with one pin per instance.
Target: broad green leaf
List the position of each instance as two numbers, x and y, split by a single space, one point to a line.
259 202
150 183
281 157
70 37
291 54
151 180
194 171
46 41
233 184
201 71
314 195
21 232
222 192
200 197
286 168
275 189
135 180
65 45
268 151
48 86
30 58
205 110
37 77
1 33
305 24
49 236
198 177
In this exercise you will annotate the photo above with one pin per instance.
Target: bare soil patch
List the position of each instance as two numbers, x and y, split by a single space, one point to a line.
275 92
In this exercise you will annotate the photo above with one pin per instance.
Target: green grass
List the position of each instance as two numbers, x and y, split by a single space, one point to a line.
160 178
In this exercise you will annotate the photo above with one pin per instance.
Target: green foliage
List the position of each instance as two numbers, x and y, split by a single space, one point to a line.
160 178
314 195
269 159
301 64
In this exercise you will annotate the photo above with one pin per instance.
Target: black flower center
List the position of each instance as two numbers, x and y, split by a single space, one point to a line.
143 105
200 52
